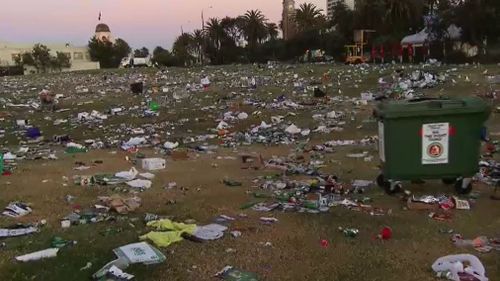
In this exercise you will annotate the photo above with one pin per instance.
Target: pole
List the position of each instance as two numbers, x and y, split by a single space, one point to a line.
202 20
1 158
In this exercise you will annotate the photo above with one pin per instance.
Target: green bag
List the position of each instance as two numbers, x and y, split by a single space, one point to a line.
153 106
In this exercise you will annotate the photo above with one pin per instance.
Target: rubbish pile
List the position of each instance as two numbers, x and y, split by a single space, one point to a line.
481 244
218 116
132 178
315 196
443 202
403 85
489 172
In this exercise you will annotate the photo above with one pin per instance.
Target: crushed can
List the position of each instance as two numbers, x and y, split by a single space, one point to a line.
349 232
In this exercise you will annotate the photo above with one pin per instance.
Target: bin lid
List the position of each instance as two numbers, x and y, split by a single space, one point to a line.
431 107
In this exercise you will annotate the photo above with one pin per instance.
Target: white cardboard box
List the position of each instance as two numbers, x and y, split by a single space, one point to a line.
151 164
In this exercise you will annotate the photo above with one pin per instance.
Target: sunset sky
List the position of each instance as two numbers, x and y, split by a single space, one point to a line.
140 22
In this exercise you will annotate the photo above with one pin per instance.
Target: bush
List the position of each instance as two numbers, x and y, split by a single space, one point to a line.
457 57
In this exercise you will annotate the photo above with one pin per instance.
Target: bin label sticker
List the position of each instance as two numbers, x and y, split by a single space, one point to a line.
435 143
381 142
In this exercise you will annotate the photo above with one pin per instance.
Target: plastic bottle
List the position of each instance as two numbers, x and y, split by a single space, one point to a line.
261 195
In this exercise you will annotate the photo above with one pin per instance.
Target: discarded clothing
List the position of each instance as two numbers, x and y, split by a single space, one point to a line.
16 210
168 225
163 239
5 232
172 232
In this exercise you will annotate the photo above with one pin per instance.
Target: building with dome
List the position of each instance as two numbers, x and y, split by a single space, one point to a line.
103 33
79 55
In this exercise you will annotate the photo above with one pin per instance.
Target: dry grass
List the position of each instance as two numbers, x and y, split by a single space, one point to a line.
295 254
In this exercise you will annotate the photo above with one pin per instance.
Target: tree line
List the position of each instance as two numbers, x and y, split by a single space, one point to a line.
246 39
253 38
41 59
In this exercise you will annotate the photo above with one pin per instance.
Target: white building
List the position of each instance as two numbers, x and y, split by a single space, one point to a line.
79 55
331 3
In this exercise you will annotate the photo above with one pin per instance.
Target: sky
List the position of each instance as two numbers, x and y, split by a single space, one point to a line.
147 23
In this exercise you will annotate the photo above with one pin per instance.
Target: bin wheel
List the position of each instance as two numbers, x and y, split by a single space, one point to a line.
460 188
381 180
392 187
449 181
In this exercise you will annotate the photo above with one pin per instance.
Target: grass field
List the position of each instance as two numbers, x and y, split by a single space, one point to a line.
295 251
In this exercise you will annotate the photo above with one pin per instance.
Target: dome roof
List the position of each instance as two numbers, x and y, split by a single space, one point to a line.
102 27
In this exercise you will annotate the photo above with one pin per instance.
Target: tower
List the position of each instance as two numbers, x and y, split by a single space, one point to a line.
331 3
289 26
103 33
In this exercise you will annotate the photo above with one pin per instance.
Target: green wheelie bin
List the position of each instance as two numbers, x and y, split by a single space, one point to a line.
430 139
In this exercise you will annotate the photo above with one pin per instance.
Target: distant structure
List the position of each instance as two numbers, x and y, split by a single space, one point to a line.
289 26
330 4
79 55
103 33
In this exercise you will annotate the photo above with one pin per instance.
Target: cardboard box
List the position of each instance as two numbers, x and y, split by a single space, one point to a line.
152 164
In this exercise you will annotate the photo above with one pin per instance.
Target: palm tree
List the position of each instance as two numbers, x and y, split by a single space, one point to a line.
403 13
198 42
272 30
233 29
215 32
308 16
254 27
182 49
215 35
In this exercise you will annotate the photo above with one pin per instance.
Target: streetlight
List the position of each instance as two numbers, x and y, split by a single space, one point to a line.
202 60
203 17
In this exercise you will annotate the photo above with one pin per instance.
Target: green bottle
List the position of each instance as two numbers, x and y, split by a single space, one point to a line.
261 195
1 163
311 205
284 197
248 205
